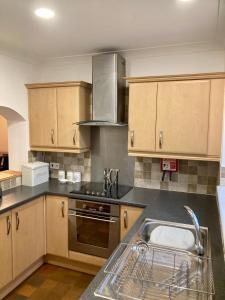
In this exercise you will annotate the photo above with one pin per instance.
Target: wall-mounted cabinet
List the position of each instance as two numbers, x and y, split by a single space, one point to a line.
53 111
178 117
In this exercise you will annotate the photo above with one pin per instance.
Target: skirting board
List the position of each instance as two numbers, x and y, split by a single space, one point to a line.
71 264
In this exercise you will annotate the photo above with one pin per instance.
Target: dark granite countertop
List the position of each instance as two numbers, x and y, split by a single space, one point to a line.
158 204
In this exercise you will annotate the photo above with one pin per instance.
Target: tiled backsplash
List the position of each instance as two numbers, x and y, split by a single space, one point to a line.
192 176
67 161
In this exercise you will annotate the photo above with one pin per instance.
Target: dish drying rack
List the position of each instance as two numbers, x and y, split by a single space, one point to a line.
142 271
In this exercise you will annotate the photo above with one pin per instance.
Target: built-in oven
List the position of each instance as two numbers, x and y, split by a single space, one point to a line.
94 227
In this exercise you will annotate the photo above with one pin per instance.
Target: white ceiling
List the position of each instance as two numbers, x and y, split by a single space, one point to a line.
89 26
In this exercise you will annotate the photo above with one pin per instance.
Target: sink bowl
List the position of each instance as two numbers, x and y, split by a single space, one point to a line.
143 270
149 227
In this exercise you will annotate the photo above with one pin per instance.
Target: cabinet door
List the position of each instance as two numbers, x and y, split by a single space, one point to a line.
217 93
6 274
72 106
57 225
142 116
28 235
128 216
182 117
68 112
43 117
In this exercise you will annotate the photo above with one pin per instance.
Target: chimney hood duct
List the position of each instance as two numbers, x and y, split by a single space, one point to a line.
108 94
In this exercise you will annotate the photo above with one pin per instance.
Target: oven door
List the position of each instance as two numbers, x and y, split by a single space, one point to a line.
93 233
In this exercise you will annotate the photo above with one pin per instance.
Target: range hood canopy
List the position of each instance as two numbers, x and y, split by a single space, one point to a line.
108 104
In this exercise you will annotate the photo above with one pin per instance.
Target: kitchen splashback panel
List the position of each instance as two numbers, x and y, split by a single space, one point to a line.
193 176
67 161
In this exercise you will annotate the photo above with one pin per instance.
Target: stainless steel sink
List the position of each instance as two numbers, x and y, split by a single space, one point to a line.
146 229
142 270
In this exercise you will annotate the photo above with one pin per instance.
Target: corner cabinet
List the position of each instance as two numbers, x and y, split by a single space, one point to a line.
176 116
54 108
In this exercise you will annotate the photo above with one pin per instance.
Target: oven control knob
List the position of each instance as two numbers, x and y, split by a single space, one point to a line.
101 208
87 192
93 193
103 194
97 194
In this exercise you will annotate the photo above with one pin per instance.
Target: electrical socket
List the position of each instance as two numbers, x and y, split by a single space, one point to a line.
54 166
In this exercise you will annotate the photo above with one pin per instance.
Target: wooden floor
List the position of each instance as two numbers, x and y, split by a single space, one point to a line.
53 283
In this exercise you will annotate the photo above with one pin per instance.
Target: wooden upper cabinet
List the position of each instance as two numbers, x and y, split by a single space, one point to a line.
142 116
183 117
43 117
53 110
6 274
216 117
186 110
28 235
73 105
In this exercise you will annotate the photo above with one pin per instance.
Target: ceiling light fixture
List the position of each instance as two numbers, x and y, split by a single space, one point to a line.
44 13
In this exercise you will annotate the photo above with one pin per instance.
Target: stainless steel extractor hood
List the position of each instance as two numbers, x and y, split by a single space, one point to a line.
108 102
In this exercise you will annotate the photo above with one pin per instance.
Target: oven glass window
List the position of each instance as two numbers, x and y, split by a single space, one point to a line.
92 232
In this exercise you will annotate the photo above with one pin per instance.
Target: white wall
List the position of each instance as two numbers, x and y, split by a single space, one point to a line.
158 61
14 73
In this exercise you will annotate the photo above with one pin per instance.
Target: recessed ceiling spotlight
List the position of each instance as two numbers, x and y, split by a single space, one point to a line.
44 13
185 0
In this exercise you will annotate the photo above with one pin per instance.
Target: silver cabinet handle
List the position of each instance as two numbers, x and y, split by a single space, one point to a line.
74 137
8 223
111 220
63 209
125 219
160 139
132 138
17 221
53 136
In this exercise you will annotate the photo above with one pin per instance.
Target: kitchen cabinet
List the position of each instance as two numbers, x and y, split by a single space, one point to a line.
217 93
183 116
128 216
73 105
57 225
54 109
6 273
142 116
43 117
28 235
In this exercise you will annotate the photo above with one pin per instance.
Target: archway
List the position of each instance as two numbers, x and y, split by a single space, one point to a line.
17 137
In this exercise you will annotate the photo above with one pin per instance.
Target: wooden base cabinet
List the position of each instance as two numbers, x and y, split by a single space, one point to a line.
57 225
6 274
28 235
128 216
